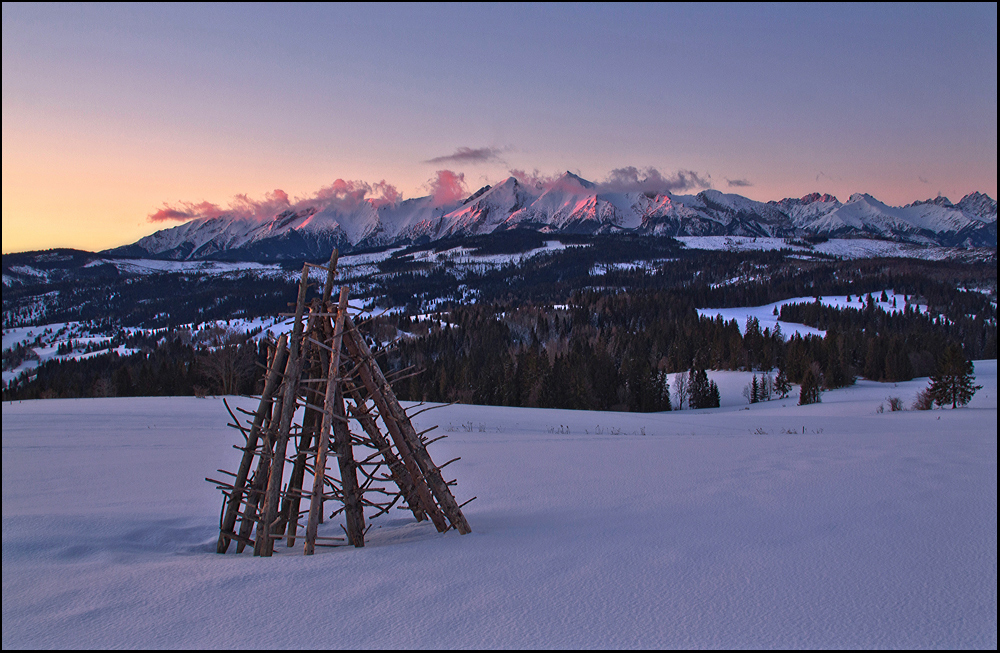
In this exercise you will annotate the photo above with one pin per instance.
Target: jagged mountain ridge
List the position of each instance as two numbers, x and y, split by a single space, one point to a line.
570 204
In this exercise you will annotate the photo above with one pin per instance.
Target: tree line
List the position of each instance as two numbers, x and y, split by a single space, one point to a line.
605 348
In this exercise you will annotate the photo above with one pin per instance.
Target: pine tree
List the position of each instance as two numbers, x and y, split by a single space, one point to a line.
700 389
782 385
953 382
715 400
811 381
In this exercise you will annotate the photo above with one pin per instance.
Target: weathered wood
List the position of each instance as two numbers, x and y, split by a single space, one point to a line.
353 510
239 538
293 495
258 486
395 411
424 410
336 418
293 370
359 350
354 515
399 475
313 417
316 502
326 362
331 274
270 386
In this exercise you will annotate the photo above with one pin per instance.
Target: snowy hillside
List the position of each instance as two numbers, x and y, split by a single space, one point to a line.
769 526
568 204
767 315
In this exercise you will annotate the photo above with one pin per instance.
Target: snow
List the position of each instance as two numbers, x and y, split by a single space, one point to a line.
768 320
49 338
569 201
465 256
844 248
653 265
152 266
774 525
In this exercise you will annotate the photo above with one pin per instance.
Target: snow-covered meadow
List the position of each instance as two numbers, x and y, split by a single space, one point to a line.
842 248
774 525
767 315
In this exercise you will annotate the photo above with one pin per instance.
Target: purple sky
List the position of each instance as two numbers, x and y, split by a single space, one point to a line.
111 111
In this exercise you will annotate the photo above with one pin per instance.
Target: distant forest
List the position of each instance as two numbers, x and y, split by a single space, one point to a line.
603 326
602 350
617 351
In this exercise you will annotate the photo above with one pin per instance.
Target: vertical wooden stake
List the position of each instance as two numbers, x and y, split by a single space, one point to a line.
293 371
332 381
255 504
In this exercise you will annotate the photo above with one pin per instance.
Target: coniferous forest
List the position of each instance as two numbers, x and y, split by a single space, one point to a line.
549 332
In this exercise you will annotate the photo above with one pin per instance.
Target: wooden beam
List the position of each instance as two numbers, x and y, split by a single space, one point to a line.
396 413
373 380
293 370
316 501
400 476
271 383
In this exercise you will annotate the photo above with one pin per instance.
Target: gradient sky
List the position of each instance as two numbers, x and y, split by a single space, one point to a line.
109 112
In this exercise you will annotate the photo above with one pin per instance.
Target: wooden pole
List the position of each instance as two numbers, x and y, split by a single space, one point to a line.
354 515
331 273
315 502
400 476
271 383
378 388
293 370
430 471
258 490
292 499
310 425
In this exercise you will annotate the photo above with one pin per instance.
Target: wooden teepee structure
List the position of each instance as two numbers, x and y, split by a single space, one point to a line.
326 366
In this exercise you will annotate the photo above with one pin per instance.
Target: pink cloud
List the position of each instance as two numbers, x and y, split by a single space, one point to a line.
340 194
186 211
448 187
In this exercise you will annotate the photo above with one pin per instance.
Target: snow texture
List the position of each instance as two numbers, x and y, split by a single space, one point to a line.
773 525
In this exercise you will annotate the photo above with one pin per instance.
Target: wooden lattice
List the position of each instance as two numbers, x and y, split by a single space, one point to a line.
327 367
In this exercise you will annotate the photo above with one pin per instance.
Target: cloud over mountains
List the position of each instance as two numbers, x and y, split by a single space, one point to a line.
445 187
469 155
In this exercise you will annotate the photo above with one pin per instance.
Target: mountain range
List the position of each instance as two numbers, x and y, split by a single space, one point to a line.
570 204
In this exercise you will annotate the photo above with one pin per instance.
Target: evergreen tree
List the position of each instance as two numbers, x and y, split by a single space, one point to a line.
782 385
713 392
811 381
953 382
700 389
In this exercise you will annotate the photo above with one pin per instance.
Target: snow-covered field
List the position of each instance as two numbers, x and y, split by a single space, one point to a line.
777 525
768 319
844 248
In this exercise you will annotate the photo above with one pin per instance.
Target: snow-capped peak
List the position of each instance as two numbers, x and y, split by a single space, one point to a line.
979 205
570 203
